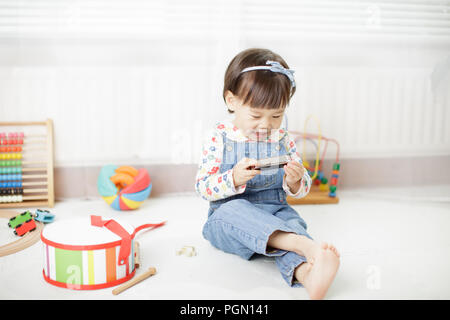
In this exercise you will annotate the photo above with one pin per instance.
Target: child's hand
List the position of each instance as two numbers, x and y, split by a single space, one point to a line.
294 172
242 171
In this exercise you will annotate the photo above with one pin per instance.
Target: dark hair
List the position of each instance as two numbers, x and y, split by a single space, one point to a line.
262 89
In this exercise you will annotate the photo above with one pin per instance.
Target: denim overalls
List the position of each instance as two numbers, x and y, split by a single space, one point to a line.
241 224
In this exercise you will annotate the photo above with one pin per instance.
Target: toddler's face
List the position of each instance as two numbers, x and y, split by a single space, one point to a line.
255 123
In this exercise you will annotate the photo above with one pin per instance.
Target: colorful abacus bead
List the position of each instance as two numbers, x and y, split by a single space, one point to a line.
10 177
12 191
6 170
7 199
15 191
20 137
8 163
11 184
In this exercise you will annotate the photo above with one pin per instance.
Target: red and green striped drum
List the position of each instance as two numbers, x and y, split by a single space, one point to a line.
82 256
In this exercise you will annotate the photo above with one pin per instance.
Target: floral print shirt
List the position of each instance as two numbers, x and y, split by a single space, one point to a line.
212 185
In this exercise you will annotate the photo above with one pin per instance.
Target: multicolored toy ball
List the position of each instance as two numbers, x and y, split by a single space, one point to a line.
124 188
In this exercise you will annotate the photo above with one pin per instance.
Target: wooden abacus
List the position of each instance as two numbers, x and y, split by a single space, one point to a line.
26 164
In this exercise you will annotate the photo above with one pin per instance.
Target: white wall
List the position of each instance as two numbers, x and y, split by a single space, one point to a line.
144 90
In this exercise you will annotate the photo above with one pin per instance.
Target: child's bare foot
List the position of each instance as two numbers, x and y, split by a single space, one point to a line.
317 277
310 248
332 248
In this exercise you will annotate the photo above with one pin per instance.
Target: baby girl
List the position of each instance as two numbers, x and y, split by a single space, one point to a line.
248 211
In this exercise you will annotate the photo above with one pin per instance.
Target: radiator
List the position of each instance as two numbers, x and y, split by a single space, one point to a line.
160 114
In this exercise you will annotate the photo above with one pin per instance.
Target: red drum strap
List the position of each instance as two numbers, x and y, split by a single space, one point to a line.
115 227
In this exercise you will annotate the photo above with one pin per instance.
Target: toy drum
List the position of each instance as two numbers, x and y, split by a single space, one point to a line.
89 253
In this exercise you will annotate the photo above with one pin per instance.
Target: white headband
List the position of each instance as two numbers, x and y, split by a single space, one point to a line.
275 66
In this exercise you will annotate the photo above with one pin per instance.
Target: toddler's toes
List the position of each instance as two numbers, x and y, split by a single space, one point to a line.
324 245
333 248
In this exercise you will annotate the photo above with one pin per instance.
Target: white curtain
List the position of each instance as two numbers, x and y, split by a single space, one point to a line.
141 81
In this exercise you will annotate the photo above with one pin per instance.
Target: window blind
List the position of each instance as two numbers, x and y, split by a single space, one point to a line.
199 17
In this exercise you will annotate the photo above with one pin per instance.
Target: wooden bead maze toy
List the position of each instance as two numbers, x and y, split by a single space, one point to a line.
26 164
323 190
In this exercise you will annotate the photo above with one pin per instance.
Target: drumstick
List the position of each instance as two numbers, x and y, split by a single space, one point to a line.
151 271
137 258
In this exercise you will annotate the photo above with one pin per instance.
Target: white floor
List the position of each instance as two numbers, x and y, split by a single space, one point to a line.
395 244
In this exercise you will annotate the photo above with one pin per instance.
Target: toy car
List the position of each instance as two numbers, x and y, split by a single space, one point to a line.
21 229
19 219
44 216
